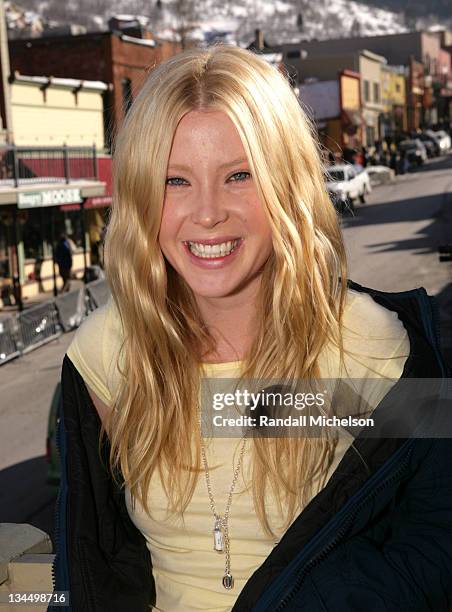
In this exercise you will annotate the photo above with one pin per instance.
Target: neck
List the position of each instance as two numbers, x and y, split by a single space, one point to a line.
231 321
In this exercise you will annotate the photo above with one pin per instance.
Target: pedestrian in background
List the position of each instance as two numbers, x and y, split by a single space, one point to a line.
63 257
365 156
101 246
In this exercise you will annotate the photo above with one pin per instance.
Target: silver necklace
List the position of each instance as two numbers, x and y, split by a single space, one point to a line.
220 528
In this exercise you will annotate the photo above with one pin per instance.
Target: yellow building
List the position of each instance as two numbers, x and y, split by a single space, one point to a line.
394 116
48 111
344 131
45 186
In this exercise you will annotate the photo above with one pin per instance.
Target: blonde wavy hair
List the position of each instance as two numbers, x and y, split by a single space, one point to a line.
154 425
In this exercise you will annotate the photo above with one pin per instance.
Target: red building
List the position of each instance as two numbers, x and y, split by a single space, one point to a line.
113 57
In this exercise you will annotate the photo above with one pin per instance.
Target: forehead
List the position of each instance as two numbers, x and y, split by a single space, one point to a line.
206 134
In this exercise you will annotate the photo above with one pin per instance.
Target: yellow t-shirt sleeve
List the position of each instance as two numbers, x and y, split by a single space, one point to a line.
86 352
376 338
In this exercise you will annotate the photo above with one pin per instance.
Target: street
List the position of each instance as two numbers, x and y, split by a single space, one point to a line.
392 240
392 245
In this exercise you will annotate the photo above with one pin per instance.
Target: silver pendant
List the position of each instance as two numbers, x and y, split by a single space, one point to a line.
218 538
228 581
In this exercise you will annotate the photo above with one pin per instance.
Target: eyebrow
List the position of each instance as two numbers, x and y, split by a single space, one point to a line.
234 162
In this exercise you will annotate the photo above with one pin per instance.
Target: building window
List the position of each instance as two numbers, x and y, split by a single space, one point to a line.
397 87
370 135
126 85
366 91
376 92
435 66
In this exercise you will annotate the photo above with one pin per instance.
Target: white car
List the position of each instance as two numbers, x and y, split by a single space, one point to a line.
415 151
346 183
442 138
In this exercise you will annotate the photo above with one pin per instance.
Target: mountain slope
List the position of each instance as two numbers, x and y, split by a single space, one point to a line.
280 20
417 8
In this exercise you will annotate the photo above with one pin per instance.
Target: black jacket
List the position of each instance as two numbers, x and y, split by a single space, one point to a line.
63 255
377 537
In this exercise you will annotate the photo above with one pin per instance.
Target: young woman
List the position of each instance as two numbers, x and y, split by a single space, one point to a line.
225 259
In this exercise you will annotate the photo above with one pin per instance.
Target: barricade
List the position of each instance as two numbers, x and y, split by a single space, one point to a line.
8 340
38 325
98 293
25 331
72 308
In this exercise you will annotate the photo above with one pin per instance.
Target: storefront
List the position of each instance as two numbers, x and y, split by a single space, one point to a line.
32 218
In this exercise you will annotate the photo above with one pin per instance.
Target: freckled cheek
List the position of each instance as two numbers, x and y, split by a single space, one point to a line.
170 224
256 218
249 209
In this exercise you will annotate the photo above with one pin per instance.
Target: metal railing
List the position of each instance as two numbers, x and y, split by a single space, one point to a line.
22 165
8 340
33 327
37 326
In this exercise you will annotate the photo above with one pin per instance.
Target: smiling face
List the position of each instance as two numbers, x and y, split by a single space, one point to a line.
214 231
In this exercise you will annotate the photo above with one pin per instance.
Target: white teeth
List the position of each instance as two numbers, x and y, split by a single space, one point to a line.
208 251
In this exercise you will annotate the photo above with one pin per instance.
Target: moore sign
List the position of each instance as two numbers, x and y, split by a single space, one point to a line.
50 197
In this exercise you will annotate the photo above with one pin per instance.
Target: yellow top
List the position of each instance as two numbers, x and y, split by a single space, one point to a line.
187 571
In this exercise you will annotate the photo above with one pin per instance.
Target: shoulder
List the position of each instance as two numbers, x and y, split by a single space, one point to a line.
364 315
94 350
375 340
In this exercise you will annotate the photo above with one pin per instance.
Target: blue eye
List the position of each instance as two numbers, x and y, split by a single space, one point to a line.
240 176
175 181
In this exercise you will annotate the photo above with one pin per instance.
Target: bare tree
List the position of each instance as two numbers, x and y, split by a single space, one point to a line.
187 13
355 30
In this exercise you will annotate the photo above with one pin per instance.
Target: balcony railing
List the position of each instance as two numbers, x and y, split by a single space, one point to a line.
24 165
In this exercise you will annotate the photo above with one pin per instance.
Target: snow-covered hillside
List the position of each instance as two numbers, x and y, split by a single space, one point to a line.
207 20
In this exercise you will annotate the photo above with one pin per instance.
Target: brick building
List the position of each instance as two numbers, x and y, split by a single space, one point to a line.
112 57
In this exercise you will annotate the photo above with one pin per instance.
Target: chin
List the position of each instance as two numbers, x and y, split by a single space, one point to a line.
211 292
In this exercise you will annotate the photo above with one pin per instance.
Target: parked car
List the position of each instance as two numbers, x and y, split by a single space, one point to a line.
380 175
431 144
346 183
445 138
414 150
442 138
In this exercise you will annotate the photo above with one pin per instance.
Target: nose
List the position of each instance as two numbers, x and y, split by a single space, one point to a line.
209 209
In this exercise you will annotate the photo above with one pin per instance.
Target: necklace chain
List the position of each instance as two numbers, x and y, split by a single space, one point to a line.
221 529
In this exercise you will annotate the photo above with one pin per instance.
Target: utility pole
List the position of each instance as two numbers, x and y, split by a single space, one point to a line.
5 102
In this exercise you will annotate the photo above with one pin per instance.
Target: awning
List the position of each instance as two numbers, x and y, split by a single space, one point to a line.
352 117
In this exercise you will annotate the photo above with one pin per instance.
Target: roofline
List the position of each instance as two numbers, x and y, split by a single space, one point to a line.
48 81
37 39
66 37
371 55
363 38
350 73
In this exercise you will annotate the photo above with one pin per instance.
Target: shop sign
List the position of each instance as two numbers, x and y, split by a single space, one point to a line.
51 197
